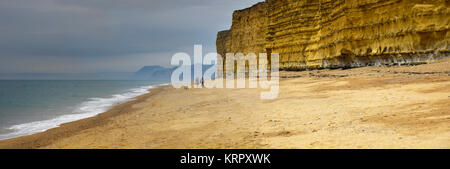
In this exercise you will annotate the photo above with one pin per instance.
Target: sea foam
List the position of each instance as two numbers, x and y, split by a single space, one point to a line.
87 109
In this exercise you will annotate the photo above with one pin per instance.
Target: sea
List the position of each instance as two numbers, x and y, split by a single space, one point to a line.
32 106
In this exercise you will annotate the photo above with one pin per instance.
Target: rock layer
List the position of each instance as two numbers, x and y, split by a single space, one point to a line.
310 34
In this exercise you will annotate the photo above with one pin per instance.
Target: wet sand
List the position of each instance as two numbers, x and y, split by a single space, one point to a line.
370 107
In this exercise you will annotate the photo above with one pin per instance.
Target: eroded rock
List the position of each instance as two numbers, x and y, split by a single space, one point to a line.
341 33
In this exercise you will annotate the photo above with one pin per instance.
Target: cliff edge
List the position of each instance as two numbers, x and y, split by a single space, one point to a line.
341 33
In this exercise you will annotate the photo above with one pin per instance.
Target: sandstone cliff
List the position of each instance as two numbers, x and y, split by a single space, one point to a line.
341 33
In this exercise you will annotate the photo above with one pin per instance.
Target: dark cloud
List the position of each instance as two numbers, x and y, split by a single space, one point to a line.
106 35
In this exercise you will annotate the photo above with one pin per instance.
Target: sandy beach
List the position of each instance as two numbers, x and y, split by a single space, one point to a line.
369 107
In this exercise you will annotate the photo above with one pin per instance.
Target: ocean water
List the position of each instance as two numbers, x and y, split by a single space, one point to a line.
31 106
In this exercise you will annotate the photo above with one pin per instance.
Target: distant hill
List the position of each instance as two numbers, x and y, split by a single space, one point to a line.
153 73
156 73
159 73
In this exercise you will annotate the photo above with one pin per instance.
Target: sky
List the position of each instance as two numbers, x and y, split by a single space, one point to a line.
88 36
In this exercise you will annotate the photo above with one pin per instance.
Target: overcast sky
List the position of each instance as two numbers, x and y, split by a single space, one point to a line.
81 36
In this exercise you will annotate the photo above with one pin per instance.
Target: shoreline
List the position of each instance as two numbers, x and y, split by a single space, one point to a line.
44 138
369 107
90 107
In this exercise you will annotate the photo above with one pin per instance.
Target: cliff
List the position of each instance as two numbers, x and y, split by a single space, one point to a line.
341 33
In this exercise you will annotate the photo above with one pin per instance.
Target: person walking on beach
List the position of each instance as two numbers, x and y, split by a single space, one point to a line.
203 82
196 82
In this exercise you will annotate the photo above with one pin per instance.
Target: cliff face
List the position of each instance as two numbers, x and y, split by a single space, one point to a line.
341 33
247 32
223 46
